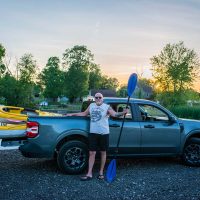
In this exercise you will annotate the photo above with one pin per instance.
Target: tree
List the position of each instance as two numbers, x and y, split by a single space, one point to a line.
145 88
109 83
175 68
2 55
27 68
122 92
52 79
95 77
8 88
99 81
78 59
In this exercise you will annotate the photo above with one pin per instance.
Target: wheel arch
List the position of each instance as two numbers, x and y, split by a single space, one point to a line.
195 136
72 135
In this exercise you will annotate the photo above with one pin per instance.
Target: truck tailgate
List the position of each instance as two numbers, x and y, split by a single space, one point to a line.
12 137
12 133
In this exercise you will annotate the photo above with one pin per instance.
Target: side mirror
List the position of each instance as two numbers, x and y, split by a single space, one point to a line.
172 120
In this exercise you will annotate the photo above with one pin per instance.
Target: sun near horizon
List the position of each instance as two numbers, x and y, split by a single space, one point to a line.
123 78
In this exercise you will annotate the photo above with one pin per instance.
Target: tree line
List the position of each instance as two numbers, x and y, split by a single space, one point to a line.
174 70
73 76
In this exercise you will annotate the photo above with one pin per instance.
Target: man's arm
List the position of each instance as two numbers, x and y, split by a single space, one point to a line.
85 113
116 114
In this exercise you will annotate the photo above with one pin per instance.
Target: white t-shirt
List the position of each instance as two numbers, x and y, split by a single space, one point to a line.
99 118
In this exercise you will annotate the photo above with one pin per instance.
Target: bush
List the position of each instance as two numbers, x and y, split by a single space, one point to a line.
171 99
2 101
179 98
186 112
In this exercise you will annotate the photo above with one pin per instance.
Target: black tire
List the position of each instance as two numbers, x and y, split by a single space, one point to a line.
191 152
73 157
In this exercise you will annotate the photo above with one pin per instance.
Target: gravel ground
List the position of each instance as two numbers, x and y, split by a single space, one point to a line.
160 178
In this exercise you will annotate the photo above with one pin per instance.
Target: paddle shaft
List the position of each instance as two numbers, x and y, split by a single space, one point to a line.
121 129
111 171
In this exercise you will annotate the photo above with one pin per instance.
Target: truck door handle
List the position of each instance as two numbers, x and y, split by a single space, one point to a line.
114 125
149 126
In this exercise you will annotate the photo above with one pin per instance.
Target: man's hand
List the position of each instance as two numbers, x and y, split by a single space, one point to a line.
125 111
85 113
69 115
119 114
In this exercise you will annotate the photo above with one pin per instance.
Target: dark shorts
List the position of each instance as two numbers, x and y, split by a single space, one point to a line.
98 142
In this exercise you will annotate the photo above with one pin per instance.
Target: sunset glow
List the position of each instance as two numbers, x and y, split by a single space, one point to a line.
123 35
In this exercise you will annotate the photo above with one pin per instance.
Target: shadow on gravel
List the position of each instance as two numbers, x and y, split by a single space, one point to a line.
51 165
128 163
14 160
47 165
148 161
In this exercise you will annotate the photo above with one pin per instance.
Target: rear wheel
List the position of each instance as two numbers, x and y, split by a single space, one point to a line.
73 157
191 153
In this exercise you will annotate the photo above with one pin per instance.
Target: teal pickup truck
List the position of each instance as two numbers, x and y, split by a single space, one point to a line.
149 130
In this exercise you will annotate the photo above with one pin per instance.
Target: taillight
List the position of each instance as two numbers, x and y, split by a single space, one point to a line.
32 129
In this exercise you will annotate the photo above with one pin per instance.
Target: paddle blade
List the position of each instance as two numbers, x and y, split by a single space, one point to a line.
111 171
132 82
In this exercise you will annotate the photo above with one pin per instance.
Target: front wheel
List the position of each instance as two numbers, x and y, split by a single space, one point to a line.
73 157
191 152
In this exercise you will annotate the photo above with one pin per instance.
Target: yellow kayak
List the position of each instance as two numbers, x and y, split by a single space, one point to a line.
14 118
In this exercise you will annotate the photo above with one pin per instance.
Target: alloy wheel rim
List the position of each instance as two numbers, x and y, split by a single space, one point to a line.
192 153
75 158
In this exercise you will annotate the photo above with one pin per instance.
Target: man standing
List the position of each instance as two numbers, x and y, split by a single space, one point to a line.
99 132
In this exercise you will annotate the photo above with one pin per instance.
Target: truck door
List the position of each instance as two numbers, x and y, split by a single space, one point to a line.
131 135
159 135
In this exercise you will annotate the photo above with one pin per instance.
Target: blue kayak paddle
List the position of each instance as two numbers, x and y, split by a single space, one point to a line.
111 170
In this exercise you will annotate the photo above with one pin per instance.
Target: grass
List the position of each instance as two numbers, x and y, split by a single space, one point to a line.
192 112
67 107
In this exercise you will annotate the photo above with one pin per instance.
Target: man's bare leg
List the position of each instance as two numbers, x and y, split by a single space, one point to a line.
92 155
103 161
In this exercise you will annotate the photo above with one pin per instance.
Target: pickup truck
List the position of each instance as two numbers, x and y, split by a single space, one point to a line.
149 130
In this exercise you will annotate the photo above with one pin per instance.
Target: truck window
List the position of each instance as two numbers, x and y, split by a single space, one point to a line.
119 108
152 113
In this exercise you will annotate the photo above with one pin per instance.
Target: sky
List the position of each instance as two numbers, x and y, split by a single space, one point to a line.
122 34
